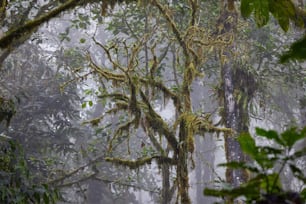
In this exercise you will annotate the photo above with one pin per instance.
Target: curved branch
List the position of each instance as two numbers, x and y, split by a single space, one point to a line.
158 124
134 164
19 31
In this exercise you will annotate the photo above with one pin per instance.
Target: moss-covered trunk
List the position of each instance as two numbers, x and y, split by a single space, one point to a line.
233 119
235 111
182 167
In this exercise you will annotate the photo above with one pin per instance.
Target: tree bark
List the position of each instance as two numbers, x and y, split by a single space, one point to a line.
235 112
166 198
182 167
232 118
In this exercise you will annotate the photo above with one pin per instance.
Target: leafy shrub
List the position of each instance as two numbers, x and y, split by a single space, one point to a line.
16 183
267 164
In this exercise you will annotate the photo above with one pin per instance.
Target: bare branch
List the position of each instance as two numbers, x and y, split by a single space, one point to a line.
100 158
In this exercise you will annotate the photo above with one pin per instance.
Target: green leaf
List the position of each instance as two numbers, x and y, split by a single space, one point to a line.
250 190
88 91
247 144
261 12
246 8
270 134
82 40
291 136
82 25
283 11
303 194
240 165
272 150
297 51
46 198
283 22
214 192
37 197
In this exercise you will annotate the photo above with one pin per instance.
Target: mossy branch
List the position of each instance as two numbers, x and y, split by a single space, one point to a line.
154 141
109 55
158 124
167 92
194 8
115 96
108 75
18 32
3 5
95 121
197 124
119 131
177 33
135 164
134 52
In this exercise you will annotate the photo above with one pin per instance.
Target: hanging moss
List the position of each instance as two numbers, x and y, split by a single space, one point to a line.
133 104
190 143
167 93
158 124
95 121
108 75
194 125
3 5
7 110
124 128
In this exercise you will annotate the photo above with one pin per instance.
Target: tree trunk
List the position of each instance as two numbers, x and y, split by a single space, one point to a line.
182 167
233 117
235 112
166 195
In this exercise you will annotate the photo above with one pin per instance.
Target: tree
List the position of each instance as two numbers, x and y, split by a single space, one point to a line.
235 81
134 90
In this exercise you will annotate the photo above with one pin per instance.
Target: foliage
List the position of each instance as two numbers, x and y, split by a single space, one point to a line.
17 185
269 163
297 51
283 11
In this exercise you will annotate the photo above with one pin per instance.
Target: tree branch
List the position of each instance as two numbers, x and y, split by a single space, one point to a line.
134 164
158 124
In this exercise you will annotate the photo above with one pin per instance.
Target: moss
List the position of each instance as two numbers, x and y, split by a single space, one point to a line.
3 5
135 164
158 124
7 110
124 128
108 75
190 143
29 26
